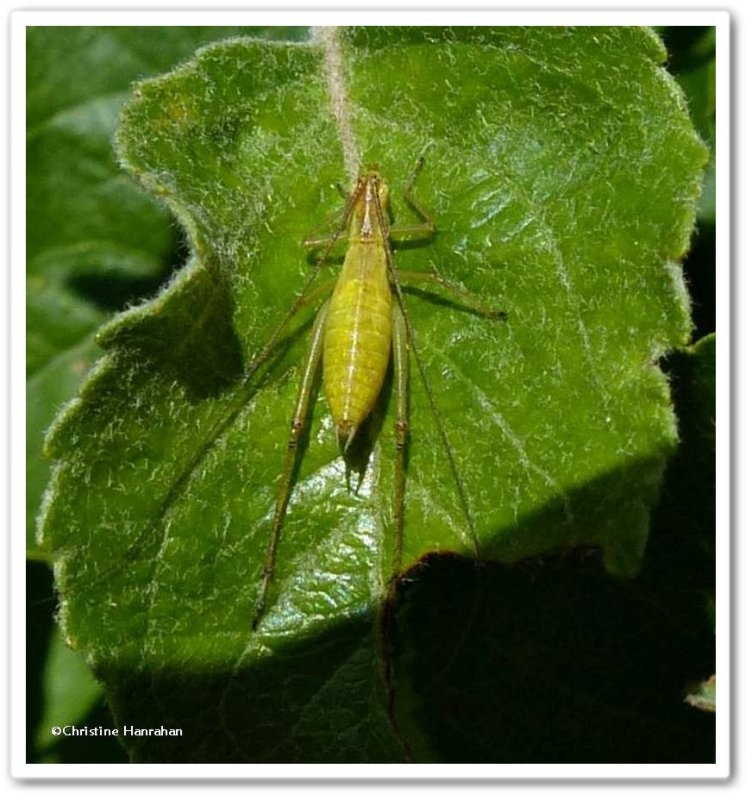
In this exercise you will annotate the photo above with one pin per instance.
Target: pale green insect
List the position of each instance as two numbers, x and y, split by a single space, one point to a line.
359 327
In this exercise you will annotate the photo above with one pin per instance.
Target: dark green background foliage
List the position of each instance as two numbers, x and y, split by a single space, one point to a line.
565 176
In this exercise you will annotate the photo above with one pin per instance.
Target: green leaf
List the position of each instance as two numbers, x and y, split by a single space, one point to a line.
692 62
695 73
95 242
60 689
563 172
703 695
683 541
686 512
71 692
46 391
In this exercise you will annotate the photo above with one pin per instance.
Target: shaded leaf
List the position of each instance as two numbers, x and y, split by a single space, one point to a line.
60 690
551 661
696 75
703 696
70 693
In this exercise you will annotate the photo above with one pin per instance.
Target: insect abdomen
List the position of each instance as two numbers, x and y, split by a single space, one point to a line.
357 340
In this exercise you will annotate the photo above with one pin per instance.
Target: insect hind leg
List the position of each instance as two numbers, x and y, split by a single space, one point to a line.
400 358
400 361
297 427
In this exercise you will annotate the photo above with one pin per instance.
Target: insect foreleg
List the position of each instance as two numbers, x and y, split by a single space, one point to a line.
313 240
411 200
409 233
302 407
464 298
426 228
334 229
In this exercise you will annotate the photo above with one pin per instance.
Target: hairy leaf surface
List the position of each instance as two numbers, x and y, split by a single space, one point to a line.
563 172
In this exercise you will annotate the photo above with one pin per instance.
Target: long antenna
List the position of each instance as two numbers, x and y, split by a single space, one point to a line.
462 495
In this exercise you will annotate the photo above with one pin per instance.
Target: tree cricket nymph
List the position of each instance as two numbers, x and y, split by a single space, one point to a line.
359 328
